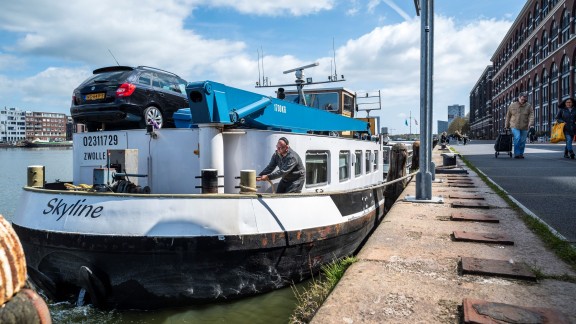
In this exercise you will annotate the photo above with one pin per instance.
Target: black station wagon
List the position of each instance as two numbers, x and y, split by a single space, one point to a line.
123 97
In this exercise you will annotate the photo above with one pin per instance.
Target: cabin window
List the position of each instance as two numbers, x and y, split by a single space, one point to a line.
386 155
348 103
367 162
375 161
344 166
358 163
324 101
316 168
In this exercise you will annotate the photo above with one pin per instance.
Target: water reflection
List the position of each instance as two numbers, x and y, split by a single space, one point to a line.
273 307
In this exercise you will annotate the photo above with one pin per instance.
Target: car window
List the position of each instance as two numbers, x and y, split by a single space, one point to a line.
145 78
117 76
157 81
172 83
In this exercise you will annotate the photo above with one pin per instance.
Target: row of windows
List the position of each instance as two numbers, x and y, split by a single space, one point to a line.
357 163
533 19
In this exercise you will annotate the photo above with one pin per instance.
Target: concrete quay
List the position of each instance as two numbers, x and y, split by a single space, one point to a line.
423 266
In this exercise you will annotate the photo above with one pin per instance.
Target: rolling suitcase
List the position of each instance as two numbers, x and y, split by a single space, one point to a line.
503 143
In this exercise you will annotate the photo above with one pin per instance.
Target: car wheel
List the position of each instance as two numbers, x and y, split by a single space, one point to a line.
153 114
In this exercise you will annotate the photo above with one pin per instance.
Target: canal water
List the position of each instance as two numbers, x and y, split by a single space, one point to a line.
273 307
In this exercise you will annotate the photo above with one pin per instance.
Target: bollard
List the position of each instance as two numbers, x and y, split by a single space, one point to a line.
36 176
209 181
248 181
448 159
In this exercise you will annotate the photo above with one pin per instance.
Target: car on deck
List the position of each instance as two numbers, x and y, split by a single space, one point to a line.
124 97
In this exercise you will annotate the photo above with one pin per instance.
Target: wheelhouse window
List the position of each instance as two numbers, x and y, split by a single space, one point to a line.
358 163
324 101
375 161
348 103
316 168
344 165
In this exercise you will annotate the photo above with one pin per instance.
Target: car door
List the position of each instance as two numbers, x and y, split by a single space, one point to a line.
173 96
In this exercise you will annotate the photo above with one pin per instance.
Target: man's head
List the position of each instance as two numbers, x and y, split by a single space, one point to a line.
523 97
282 146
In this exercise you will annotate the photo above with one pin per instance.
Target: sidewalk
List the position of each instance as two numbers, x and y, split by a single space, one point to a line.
413 270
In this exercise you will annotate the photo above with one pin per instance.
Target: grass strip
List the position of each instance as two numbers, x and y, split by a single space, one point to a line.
311 298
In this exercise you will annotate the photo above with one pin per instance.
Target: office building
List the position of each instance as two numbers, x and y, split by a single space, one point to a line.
455 111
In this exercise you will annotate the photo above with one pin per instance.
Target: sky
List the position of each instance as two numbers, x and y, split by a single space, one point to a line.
47 48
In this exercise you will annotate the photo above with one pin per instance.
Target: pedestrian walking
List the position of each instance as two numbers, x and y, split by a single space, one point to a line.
567 115
519 118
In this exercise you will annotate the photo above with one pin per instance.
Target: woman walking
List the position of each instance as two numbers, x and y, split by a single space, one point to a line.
567 114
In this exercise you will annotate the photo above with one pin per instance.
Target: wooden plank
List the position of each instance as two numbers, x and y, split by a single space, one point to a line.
483 312
482 237
474 218
500 268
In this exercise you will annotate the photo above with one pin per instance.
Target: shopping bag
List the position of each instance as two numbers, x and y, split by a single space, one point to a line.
557 134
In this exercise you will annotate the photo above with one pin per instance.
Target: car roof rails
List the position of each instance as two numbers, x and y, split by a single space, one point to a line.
157 69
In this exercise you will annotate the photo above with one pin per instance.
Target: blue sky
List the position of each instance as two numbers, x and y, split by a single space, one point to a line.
48 47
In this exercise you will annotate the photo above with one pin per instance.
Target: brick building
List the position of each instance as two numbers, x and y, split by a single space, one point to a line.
537 55
481 107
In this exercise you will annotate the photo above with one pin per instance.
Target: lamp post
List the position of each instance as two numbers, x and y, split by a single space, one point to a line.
426 167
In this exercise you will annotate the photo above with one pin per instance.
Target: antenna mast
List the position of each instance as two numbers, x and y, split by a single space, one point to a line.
113 57
259 76
334 58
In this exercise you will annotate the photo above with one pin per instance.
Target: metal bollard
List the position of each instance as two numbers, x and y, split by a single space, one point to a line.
36 176
209 181
248 181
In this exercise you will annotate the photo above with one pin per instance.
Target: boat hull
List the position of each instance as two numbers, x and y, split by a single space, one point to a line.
142 271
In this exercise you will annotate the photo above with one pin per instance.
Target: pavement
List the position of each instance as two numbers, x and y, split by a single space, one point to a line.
421 265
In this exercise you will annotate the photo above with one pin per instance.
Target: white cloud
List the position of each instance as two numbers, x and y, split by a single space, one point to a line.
274 7
386 58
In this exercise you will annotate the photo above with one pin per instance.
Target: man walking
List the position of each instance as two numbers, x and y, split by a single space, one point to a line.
520 117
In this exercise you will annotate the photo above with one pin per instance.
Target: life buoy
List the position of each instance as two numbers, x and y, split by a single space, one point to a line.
12 262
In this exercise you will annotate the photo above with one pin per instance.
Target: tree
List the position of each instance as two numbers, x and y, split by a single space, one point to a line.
462 125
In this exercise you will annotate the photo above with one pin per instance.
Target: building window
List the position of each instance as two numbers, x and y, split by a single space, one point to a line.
544 45
565 85
565 23
536 52
553 36
554 84
316 168
344 166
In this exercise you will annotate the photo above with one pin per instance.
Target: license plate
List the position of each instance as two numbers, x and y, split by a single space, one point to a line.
95 96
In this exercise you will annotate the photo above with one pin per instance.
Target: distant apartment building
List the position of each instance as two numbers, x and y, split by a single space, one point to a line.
536 56
46 126
442 126
481 107
455 111
12 125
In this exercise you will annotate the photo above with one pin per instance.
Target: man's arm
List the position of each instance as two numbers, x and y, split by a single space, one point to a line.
507 120
284 168
271 166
